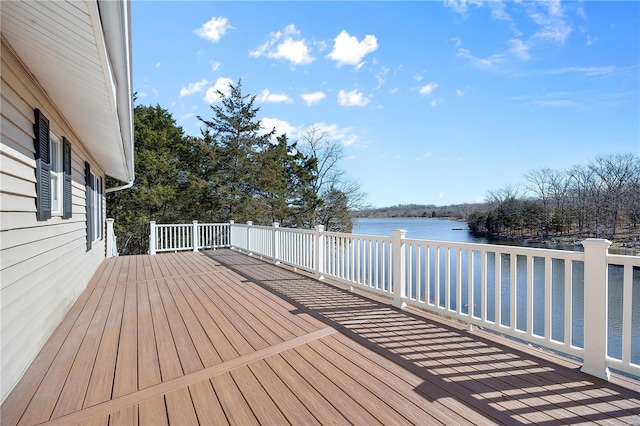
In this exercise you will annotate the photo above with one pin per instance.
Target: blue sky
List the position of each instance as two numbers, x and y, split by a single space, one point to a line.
433 102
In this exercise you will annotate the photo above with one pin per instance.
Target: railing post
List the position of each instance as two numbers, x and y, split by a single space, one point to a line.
152 237
249 223
230 236
319 252
112 249
194 237
276 243
596 300
399 268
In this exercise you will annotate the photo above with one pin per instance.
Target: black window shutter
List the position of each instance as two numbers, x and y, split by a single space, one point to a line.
66 186
88 183
43 166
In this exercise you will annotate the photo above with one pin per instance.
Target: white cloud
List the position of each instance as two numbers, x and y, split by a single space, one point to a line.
480 62
434 102
352 98
498 10
441 195
333 132
312 98
549 15
381 76
347 50
460 6
520 49
222 84
418 77
215 66
281 127
286 44
591 40
266 96
427 89
586 71
295 51
214 29
157 64
459 92
193 88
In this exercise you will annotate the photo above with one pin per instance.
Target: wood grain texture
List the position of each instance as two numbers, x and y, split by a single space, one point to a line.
223 338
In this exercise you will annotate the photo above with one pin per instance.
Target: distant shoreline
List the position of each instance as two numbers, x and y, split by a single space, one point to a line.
617 246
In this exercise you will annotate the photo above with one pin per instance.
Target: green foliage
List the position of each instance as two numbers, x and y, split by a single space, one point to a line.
254 179
233 171
334 212
155 194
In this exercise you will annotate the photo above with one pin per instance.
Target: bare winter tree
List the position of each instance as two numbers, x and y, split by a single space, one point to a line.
580 183
616 172
331 179
540 183
558 191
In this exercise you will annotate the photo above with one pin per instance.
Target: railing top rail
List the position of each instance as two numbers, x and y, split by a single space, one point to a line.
621 259
297 230
499 248
359 236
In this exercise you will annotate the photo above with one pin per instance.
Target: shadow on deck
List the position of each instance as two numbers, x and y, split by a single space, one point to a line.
218 337
502 382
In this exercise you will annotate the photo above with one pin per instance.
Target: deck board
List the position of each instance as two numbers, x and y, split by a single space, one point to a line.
44 400
73 393
125 379
218 337
101 382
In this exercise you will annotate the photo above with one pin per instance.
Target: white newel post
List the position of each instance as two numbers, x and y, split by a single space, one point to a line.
112 250
195 236
152 237
231 222
399 268
276 243
595 307
319 252
249 223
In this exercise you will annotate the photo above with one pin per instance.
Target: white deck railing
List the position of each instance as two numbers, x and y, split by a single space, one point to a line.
193 236
111 243
583 304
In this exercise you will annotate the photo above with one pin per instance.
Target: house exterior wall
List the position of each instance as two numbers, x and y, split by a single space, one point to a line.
44 265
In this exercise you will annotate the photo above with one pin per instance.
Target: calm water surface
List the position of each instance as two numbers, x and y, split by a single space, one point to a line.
455 231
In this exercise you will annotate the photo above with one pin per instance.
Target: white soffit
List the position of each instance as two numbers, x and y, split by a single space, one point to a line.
62 45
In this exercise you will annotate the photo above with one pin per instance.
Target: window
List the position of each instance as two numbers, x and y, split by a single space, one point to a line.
55 171
93 186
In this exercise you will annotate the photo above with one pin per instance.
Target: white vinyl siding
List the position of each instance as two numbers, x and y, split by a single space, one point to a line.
44 265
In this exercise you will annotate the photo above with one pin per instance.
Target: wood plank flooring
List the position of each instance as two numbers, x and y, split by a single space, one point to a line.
218 337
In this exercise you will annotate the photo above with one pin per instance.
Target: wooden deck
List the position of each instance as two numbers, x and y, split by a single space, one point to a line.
218 337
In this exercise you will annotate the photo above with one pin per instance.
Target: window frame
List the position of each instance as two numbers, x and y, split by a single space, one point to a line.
56 174
94 205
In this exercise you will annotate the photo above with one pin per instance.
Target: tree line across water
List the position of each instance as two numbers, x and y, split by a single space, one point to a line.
597 200
235 170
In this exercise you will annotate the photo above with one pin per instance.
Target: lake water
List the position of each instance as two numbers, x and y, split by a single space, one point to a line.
419 228
455 231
